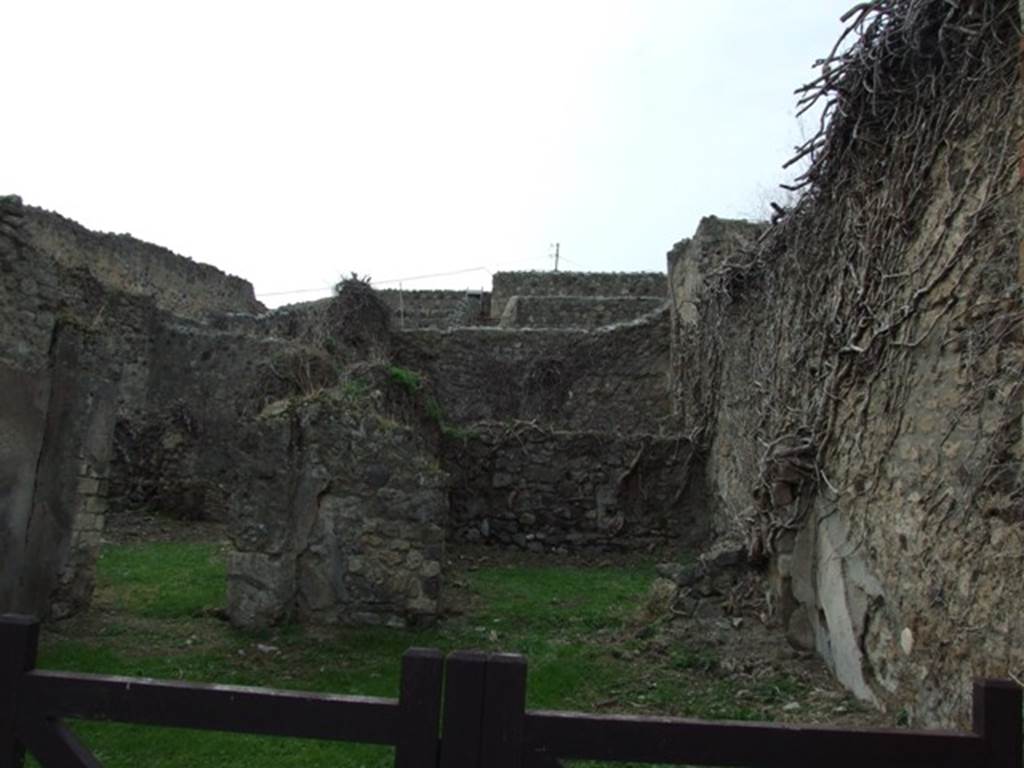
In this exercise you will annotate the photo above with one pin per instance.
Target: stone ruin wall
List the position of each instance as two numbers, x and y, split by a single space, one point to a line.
890 508
356 533
576 284
436 309
75 358
57 364
613 379
587 312
561 439
176 284
601 299
893 547
342 515
200 383
114 404
546 490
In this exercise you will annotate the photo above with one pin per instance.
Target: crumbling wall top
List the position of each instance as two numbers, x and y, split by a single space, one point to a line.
176 283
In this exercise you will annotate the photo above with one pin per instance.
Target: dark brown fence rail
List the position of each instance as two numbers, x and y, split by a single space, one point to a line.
484 722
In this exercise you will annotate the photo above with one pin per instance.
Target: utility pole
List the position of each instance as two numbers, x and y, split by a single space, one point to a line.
557 245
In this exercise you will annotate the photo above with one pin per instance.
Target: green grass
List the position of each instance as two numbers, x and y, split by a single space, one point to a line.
164 580
155 616
411 380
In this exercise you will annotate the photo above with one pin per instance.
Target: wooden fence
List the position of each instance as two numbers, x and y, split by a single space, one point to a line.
480 721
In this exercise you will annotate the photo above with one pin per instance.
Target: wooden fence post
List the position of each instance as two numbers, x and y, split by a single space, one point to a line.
419 709
19 639
504 712
997 719
464 680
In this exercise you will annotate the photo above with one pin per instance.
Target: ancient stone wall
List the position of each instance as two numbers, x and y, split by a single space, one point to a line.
575 311
437 309
137 382
123 263
856 378
112 403
613 379
505 285
60 359
171 446
338 516
542 490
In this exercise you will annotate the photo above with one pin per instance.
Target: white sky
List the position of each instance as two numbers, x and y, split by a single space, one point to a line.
289 143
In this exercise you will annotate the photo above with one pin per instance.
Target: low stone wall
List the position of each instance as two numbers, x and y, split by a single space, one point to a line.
505 285
519 485
175 283
437 309
575 311
613 379
337 517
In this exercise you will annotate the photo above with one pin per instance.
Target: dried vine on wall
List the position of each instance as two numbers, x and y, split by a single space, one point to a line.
905 190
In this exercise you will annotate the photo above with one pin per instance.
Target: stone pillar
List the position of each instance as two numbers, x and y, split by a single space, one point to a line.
56 427
337 517
62 536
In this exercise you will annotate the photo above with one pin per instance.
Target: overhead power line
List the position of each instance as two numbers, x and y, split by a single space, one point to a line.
427 277
297 290
376 283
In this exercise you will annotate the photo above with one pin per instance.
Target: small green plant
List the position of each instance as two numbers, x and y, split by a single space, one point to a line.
355 389
434 411
454 432
411 380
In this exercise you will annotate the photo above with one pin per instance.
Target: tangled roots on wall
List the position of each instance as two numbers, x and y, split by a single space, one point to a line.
904 210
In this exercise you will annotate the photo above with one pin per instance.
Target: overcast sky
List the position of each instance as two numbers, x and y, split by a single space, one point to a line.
289 143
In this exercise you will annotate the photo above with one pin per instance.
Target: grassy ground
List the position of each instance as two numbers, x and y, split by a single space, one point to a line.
156 613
